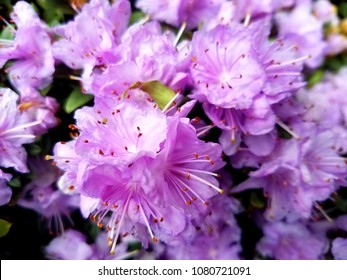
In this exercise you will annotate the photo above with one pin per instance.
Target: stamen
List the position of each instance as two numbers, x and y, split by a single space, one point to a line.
247 19
221 191
6 43
186 187
28 136
75 78
287 129
202 171
27 125
8 24
316 205
202 131
180 32
147 225
125 209
280 64
167 106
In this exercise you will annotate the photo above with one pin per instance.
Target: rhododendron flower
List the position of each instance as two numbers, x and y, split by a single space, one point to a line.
225 69
92 36
15 130
339 249
120 147
297 174
5 191
45 198
144 54
294 241
31 51
178 12
305 31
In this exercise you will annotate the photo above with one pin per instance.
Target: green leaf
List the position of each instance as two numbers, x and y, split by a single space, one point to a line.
45 91
136 16
15 182
161 94
342 10
75 100
54 10
257 201
341 204
315 78
4 227
59 5
7 33
34 150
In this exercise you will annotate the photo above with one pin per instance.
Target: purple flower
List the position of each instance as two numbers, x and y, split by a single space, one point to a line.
89 40
5 191
42 195
33 64
325 102
255 9
341 222
225 69
218 232
336 43
71 245
15 130
297 174
244 109
305 31
162 204
145 54
339 248
102 250
122 134
120 146
177 12
325 11
293 241
39 108
281 60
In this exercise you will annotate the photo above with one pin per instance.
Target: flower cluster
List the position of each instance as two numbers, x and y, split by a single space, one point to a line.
194 107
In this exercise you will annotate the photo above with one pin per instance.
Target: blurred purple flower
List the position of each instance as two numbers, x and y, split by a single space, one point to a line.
42 196
339 248
5 191
71 245
177 12
297 174
285 241
218 232
304 31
